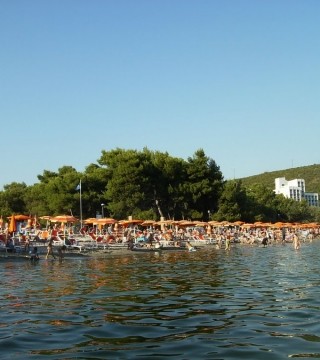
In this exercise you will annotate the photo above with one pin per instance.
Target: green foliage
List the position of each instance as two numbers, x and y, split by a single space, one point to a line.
271 207
167 178
295 211
203 184
310 174
12 199
232 202
94 183
35 198
147 184
128 190
263 204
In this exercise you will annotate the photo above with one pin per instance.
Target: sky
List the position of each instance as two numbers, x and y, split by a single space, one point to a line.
239 79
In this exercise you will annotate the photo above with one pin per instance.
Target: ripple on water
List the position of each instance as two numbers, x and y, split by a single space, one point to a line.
251 303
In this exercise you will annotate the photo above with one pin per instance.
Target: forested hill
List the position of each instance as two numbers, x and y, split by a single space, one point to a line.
311 175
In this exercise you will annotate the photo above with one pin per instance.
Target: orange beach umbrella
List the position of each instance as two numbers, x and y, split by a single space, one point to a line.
64 219
91 221
45 217
126 223
104 221
21 217
148 223
12 225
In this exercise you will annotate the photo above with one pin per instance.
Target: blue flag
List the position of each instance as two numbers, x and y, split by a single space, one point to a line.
78 187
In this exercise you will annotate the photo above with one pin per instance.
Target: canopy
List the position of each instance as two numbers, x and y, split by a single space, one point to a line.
19 217
130 222
148 223
64 219
104 221
91 221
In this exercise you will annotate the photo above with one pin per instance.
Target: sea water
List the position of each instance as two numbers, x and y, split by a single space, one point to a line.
246 303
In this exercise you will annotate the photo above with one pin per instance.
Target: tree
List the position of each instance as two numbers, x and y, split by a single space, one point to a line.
126 192
94 184
12 199
294 211
59 190
36 200
232 203
167 178
262 204
204 184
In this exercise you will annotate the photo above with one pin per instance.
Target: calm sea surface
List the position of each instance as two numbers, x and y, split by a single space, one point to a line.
248 303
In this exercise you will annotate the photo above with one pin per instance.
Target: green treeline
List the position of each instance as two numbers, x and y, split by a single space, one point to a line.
149 184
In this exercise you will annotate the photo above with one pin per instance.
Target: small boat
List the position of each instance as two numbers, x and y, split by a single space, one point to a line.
159 248
145 249
173 248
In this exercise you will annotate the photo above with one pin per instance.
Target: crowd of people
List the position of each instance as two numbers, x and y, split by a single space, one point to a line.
24 242
152 236
221 236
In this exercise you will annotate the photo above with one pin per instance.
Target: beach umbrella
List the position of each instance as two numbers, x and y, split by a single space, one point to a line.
165 222
224 223
64 219
313 225
176 222
213 222
238 223
148 223
201 224
91 221
45 217
104 221
130 222
12 224
247 225
21 217
280 224
187 223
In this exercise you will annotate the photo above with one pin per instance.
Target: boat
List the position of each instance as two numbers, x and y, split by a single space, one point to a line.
173 248
145 249
142 248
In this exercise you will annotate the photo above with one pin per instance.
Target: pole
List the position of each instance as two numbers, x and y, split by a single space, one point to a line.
80 205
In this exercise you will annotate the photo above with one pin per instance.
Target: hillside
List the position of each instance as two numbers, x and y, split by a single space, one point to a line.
311 175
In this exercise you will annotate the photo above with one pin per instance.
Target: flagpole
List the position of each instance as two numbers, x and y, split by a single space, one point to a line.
80 205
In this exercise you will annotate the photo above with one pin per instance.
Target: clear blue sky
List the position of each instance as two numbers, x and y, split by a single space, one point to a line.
238 78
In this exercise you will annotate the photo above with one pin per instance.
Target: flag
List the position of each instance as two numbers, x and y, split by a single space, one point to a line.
78 186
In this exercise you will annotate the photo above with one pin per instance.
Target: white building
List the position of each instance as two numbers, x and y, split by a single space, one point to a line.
295 189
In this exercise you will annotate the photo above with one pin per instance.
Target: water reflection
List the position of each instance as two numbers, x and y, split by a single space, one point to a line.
253 303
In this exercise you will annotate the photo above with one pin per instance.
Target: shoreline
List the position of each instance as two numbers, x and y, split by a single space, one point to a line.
103 253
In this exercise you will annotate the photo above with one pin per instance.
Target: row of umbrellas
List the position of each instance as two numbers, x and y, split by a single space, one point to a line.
188 223
32 221
125 223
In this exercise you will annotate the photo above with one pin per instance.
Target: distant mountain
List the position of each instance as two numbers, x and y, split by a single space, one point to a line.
311 175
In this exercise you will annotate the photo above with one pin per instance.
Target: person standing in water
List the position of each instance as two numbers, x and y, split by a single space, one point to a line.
34 254
227 243
50 249
61 251
296 241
